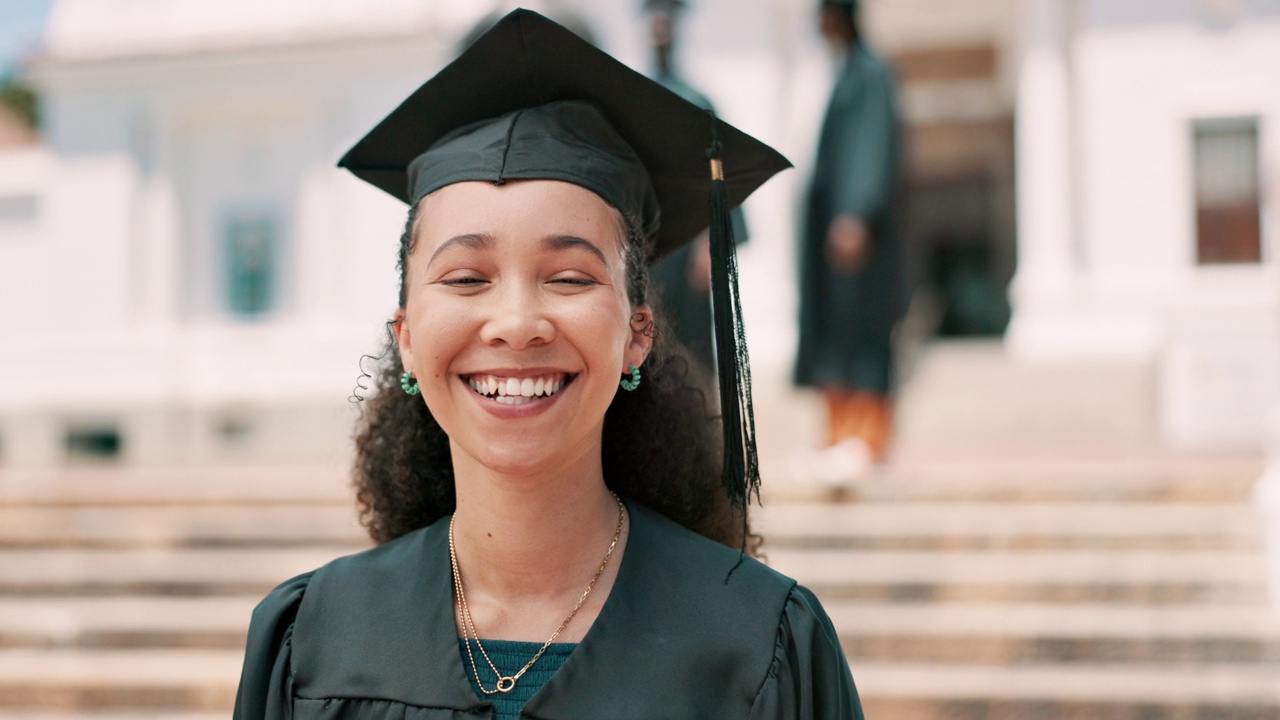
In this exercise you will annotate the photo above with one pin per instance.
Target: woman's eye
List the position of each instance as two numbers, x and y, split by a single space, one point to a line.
574 281
463 281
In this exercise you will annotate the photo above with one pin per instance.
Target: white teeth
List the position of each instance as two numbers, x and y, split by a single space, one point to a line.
507 389
513 399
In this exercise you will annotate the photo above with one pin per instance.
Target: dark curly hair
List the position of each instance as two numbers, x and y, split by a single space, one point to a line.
661 442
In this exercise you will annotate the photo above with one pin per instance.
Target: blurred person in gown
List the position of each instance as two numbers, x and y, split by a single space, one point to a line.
852 290
683 279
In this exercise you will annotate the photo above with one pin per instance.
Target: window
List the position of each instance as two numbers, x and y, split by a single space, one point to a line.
17 209
251 257
97 442
1228 217
235 431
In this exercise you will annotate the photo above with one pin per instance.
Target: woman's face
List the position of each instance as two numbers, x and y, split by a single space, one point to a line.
517 322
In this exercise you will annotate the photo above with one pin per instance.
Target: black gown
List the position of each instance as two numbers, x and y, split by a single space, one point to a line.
847 320
372 635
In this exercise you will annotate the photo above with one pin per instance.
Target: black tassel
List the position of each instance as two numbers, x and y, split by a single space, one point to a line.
741 474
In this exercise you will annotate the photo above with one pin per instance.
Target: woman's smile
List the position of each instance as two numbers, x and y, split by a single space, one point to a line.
511 390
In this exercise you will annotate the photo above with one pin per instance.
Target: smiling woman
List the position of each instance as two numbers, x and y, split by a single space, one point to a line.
660 444
506 287
562 532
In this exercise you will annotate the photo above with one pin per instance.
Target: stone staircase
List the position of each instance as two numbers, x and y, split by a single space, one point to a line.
1116 589
126 594
996 589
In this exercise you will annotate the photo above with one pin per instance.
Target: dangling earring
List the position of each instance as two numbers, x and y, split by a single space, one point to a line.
409 384
633 382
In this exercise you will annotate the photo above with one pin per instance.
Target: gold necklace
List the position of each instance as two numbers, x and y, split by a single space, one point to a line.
507 682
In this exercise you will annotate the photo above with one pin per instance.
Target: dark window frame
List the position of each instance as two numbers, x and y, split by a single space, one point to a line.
250 286
1227 190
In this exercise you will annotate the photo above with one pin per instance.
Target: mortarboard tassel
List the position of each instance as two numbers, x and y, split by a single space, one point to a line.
741 473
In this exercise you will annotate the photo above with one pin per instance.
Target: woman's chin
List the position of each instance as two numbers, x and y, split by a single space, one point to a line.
522 459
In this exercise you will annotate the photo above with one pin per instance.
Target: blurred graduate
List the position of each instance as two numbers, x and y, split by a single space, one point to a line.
852 288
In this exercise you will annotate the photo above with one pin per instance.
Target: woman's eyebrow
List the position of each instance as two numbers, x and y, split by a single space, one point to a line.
470 241
568 242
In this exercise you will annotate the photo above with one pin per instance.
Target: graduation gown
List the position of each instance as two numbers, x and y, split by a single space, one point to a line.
372 635
846 319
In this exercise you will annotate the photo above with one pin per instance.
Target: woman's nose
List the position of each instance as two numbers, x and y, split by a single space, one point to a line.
518 318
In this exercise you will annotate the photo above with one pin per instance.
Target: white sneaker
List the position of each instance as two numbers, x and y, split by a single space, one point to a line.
843 462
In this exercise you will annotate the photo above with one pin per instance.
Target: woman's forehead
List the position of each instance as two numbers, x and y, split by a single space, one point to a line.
530 209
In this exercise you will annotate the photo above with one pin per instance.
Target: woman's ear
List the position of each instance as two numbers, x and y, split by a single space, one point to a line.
642 333
403 339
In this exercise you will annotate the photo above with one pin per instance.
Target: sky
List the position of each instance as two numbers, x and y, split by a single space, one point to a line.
21 24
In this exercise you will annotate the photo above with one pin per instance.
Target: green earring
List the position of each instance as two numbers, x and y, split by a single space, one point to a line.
633 382
409 384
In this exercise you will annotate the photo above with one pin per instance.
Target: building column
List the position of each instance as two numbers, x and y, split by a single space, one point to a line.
1045 172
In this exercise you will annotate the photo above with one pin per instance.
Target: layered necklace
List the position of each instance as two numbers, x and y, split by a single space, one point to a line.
508 682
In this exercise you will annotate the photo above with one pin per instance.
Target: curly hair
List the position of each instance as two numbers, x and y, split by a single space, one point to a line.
661 443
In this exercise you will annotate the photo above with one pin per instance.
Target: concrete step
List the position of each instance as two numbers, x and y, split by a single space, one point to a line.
119 679
135 714
961 649
1046 576
180 486
1154 593
961 393
196 571
1000 709
1038 620
1042 633
1246 686
834 567
995 526
125 622
1015 479
177 526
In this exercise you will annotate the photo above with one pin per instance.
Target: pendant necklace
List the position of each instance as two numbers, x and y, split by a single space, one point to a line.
508 682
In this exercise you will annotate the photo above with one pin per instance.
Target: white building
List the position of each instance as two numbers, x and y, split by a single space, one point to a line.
185 276
1149 204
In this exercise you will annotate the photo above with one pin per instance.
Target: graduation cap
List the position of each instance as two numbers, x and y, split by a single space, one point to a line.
531 100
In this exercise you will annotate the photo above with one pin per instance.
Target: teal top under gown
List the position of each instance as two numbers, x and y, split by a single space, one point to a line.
509 656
